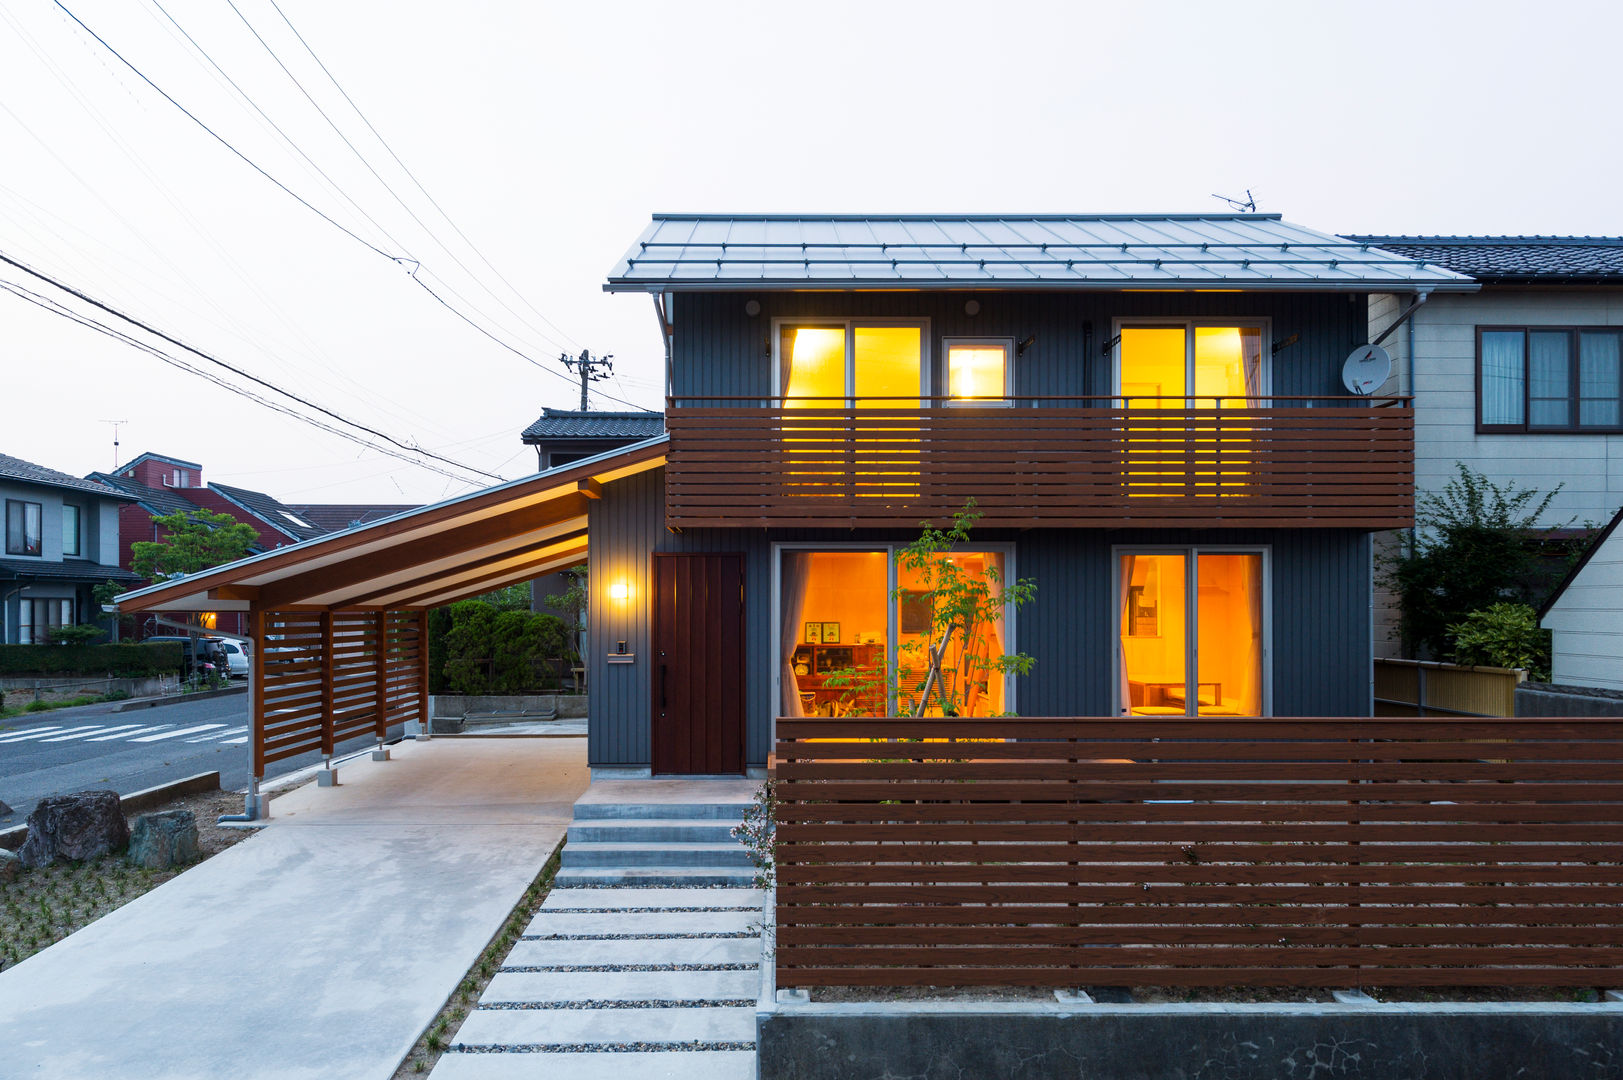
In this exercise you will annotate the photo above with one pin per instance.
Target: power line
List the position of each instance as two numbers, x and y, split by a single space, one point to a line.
83 320
413 177
412 271
155 332
221 139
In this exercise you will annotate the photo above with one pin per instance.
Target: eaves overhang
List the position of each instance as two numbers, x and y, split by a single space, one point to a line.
425 557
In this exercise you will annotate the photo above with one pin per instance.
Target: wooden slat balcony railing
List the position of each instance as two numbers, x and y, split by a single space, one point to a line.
1076 462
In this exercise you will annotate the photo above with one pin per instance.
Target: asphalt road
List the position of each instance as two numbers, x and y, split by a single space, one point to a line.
96 747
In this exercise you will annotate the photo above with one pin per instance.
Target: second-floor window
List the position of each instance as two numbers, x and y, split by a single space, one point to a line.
23 532
1206 364
866 362
71 542
979 370
1549 379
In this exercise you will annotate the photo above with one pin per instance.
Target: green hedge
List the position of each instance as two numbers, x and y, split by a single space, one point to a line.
114 661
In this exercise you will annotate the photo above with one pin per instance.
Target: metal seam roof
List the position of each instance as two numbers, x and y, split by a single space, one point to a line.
1023 251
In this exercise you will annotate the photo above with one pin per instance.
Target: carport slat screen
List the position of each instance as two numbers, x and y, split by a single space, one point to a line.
324 679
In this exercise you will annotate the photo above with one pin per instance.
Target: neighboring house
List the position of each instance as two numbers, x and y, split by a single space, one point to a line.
1585 616
61 541
1148 411
158 485
562 436
1522 380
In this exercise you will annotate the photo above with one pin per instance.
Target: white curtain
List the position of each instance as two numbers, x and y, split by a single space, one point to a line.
792 603
1598 404
1503 377
1126 706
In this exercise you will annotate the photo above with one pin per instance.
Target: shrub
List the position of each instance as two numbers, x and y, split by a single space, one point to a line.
1474 546
489 651
1503 635
111 661
74 635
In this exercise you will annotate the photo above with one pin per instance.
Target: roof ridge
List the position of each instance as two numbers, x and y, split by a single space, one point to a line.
1222 215
1574 241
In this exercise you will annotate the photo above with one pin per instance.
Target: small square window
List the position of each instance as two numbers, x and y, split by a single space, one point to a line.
979 370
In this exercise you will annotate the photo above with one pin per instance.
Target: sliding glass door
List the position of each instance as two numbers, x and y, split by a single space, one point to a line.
1191 633
860 636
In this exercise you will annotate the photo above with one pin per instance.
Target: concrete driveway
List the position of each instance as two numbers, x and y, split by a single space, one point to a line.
321 947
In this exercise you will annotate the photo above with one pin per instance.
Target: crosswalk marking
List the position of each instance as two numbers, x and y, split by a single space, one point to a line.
38 733
234 742
176 734
211 736
93 731
127 734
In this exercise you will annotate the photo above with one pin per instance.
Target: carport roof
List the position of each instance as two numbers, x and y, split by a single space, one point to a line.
423 558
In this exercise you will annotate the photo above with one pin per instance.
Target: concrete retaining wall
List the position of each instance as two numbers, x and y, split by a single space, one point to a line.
22 689
567 706
1551 699
1190 1042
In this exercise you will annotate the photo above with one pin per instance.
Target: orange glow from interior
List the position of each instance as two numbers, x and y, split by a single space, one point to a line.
977 372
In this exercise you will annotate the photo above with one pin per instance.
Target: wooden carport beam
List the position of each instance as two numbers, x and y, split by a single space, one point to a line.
291 590
440 600
590 488
416 585
250 593
463 590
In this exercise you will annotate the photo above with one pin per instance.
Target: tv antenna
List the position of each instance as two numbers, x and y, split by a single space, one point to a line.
590 368
1247 205
116 424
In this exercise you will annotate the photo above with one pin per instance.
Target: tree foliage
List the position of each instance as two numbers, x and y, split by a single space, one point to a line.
492 651
1474 546
193 540
962 605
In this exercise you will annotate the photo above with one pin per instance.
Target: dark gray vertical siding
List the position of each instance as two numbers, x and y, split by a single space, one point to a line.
1319 617
721 350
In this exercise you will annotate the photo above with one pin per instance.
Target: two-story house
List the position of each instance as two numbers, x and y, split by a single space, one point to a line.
1522 380
61 537
1148 412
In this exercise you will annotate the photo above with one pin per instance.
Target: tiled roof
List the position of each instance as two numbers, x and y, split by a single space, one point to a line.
268 509
563 424
1515 258
160 500
1031 251
12 468
336 517
67 570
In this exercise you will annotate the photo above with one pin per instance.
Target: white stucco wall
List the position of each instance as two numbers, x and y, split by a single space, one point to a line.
1587 622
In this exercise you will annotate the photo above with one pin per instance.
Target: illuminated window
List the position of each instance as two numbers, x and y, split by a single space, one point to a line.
1207 365
1191 611
874 364
979 370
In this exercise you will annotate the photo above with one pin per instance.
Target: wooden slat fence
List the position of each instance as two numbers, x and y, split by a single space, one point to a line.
323 678
1200 852
1075 462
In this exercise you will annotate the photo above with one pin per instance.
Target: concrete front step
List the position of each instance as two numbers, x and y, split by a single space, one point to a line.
559 923
643 855
607 899
634 952
652 830
669 876
713 811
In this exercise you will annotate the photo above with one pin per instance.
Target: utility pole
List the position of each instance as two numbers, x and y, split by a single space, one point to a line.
590 368
115 424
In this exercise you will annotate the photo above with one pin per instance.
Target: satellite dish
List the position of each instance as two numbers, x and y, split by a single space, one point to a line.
1366 369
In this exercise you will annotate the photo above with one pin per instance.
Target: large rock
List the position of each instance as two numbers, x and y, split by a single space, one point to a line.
10 866
76 827
164 839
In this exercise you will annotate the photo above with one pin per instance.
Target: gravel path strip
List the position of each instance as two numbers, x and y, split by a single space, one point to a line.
650 1003
595 1048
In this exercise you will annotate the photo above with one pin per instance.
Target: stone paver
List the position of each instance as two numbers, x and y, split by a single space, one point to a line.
560 923
555 953
565 899
562 1026
679 1065
509 986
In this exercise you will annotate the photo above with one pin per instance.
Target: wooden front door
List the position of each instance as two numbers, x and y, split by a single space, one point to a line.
698 670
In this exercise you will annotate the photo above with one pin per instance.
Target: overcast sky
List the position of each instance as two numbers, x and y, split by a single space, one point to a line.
548 132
